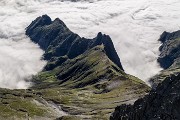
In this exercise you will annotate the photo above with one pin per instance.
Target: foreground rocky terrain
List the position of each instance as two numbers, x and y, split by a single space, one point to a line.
83 79
162 103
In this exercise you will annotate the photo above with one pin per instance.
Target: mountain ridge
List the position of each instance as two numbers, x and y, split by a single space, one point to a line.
69 44
79 82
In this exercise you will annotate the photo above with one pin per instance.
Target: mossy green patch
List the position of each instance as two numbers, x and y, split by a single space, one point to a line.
19 103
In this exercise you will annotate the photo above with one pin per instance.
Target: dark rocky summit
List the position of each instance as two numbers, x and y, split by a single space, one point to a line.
163 102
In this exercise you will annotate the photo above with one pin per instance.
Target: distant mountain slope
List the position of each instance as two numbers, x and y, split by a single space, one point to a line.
169 58
162 103
170 49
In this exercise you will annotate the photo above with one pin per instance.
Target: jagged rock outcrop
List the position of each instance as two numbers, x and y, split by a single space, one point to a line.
161 104
61 44
169 57
170 49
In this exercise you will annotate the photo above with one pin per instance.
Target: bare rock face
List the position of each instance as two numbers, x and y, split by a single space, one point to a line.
60 43
170 49
169 58
161 104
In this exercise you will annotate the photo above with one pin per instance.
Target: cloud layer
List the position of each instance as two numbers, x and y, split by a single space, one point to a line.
134 27
19 57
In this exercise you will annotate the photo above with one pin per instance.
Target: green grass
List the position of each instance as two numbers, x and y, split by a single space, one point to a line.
89 86
19 103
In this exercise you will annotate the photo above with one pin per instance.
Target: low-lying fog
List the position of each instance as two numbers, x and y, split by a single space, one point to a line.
134 26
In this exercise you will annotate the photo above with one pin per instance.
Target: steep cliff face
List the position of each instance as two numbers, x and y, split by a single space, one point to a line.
169 58
170 49
162 103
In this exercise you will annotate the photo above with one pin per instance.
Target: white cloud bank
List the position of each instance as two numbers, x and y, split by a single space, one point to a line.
134 26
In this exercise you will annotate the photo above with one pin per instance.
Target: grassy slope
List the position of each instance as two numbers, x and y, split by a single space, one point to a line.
89 86
92 84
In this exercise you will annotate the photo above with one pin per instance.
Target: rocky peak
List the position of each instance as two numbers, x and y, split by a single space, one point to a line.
57 21
169 36
99 36
105 40
38 22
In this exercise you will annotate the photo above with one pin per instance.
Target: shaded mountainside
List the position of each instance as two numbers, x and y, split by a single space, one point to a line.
170 49
162 103
83 79
169 58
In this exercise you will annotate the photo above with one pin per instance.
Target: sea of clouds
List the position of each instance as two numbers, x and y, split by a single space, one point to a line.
134 26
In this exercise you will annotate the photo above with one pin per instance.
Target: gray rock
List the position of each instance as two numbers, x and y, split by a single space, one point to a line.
170 49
